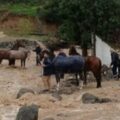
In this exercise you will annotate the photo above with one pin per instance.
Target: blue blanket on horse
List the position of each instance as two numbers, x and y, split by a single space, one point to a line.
71 64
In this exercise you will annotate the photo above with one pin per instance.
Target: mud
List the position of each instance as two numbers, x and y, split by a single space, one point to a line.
69 107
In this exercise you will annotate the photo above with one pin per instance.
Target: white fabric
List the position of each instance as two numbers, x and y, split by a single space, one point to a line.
103 51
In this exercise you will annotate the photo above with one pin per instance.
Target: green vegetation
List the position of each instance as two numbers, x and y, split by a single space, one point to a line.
79 18
23 9
20 9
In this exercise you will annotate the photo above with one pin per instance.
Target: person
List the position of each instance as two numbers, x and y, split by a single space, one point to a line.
38 52
114 62
47 71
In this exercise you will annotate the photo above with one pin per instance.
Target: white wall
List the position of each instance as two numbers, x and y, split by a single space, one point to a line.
103 51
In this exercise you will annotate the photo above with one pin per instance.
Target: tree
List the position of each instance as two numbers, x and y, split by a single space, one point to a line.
79 17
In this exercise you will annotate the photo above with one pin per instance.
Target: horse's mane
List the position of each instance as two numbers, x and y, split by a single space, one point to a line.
62 54
17 44
73 51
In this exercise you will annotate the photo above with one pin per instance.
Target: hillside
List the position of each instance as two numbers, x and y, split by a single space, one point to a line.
22 19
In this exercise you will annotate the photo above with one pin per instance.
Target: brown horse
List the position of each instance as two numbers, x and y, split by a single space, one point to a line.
93 64
16 46
20 54
5 54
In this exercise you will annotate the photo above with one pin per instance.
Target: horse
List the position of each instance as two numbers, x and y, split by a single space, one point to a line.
68 64
93 64
21 54
4 54
17 44
63 64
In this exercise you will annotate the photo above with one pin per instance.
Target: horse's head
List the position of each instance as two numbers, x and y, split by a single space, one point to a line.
73 51
43 53
17 44
50 53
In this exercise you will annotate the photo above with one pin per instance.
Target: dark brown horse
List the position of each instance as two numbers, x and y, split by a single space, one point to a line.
5 54
93 64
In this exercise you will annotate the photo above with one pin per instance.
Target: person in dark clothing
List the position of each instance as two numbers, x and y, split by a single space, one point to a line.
119 67
48 70
114 62
38 51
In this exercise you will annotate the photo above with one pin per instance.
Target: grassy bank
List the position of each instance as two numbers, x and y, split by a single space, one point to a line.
20 9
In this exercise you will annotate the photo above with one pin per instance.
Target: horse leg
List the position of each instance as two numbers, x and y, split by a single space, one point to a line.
11 61
85 77
98 79
81 75
58 81
21 63
77 80
62 75
0 61
24 62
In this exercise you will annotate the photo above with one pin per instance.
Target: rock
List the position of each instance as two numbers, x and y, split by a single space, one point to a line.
62 115
105 100
66 91
89 98
28 113
57 96
44 91
49 118
23 91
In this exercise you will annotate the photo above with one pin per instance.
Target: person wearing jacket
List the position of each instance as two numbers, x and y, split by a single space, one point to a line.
38 52
114 62
47 71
